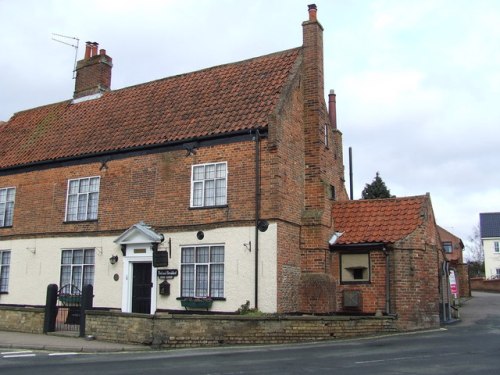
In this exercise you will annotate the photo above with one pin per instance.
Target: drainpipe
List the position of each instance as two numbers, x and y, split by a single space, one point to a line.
257 214
387 282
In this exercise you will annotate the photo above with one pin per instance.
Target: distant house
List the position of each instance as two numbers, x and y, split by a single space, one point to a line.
224 184
453 248
489 227
389 259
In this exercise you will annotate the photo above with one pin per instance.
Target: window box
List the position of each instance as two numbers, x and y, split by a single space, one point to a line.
196 303
70 299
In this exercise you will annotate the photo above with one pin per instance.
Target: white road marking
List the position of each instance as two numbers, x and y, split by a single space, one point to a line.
61 354
19 352
19 355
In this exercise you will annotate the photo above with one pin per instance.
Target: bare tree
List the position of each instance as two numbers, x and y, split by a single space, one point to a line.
474 252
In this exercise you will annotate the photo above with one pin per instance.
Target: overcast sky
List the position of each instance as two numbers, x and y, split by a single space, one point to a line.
417 81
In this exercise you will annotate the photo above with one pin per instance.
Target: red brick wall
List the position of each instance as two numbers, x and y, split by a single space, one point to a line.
415 276
154 188
483 285
463 280
373 294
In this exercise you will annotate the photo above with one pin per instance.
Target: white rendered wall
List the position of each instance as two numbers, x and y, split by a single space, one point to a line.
35 263
491 258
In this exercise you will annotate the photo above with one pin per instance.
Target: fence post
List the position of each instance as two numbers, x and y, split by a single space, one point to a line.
49 322
86 304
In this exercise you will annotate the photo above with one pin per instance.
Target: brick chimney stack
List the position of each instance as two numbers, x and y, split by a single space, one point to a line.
315 116
93 73
322 183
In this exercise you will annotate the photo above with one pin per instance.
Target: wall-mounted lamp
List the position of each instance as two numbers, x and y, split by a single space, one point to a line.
113 259
248 245
262 225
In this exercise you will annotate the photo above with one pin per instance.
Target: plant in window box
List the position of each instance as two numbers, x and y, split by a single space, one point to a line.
196 302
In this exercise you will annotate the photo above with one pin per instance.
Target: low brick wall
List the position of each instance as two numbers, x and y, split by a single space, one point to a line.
483 285
178 331
22 319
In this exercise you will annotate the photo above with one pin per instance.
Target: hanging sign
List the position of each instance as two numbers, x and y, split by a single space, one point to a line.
160 259
167 273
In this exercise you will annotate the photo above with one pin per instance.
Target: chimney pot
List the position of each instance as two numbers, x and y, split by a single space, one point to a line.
332 108
102 51
94 48
88 50
313 9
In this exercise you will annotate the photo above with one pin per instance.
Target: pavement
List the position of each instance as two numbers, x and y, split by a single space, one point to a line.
478 307
62 343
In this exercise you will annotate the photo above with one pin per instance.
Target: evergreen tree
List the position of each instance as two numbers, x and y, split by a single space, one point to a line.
376 189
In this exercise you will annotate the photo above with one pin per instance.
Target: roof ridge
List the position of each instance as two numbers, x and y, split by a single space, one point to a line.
207 69
411 197
212 102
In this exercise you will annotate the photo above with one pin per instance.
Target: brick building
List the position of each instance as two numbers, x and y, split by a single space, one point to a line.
390 260
187 167
453 248
230 180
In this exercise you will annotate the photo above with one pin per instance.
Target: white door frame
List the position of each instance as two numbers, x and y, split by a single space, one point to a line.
131 257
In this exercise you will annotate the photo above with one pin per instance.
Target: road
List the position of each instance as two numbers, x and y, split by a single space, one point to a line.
468 347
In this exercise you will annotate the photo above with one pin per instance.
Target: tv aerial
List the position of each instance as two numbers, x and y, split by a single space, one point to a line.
69 41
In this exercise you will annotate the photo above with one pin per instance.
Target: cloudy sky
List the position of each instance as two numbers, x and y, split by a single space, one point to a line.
417 81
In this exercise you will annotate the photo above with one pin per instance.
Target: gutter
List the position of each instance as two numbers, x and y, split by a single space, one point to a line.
121 153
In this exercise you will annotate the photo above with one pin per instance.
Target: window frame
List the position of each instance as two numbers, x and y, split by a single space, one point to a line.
346 268
82 266
212 292
7 212
326 139
5 271
496 246
446 245
194 198
88 216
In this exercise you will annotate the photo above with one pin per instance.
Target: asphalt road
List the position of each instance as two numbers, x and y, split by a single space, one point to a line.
469 347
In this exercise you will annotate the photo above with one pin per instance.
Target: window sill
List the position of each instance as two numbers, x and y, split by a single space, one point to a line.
208 207
4 292
202 298
6 227
354 282
81 221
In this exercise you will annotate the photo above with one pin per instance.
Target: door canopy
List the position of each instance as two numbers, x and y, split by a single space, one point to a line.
139 233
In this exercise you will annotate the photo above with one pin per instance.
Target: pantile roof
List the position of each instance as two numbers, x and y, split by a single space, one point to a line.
377 220
489 224
221 100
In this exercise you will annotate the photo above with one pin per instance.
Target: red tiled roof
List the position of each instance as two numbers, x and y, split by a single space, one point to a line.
223 99
377 220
